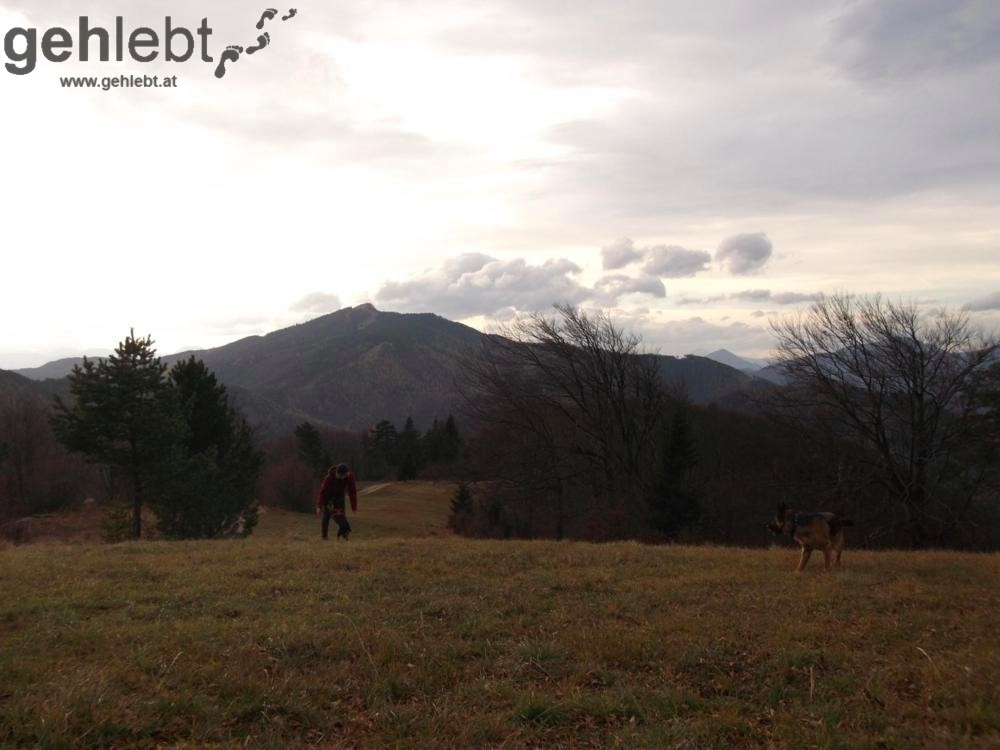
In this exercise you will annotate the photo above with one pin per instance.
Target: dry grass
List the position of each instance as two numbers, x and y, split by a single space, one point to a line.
282 641
406 509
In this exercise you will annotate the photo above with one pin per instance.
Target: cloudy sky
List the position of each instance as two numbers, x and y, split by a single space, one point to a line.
695 167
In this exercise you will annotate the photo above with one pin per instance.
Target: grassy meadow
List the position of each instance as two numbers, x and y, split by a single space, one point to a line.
408 637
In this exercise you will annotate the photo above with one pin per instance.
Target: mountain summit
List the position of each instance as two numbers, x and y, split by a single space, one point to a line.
350 368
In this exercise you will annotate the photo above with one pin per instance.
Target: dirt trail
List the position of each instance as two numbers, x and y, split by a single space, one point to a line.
374 488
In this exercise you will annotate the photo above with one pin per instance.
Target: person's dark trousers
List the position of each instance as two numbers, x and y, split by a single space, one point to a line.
344 528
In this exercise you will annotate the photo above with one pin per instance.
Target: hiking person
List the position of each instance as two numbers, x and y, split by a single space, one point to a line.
338 482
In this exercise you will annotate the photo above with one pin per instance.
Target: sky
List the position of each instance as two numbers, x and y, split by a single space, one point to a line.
696 169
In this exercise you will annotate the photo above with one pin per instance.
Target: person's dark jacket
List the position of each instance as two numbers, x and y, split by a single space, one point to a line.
334 488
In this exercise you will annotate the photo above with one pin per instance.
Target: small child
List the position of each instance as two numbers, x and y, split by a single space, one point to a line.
330 501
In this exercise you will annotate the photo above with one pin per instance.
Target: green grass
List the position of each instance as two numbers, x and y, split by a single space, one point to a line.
387 641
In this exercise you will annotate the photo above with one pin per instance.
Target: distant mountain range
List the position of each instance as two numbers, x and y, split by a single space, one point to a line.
359 365
54 370
737 361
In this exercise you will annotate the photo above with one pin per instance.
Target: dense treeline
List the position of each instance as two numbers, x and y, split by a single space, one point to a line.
296 463
888 416
37 475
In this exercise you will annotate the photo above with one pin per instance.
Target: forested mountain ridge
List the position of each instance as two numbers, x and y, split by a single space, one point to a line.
359 365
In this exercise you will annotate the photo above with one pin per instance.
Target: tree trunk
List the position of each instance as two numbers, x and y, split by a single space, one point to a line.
137 507
560 510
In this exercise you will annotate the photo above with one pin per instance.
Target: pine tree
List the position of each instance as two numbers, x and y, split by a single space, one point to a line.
203 403
673 502
409 452
430 445
461 501
452 444
380 448
311 449
462 507
386 441
211 488
122 414
407 469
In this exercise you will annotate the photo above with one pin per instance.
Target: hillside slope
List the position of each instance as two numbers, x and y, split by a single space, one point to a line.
451 643
702 380
350 368
54 370
11 383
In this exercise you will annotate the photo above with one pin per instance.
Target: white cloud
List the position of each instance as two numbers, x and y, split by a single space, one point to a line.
665 261
744 254
696 334
989 302
479 285
752 295
902 38
674 262
317 303
620 253
766 295
609 289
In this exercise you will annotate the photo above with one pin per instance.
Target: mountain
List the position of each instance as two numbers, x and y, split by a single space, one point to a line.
701 380
351 368
772 375
60 368
743 364
11 382
359 365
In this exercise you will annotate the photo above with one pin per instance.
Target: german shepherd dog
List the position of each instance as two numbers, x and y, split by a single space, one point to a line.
812 530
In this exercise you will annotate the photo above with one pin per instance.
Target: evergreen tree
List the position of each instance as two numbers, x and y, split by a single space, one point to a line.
211 489
311 448
386 441
442 444
407 469
204 405
461 501
462 508
431 443
380 447
410 434
410 458
674 503
122 414
452 444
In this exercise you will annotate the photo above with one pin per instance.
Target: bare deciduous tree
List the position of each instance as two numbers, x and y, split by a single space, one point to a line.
906 384
579 404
